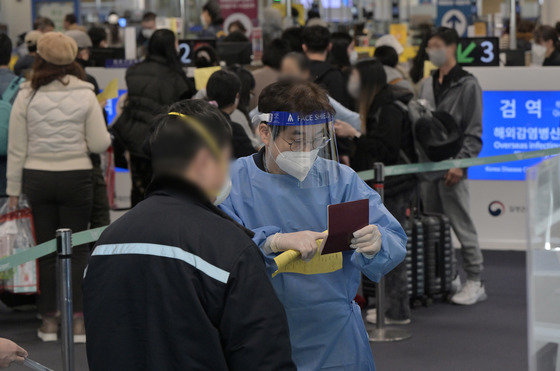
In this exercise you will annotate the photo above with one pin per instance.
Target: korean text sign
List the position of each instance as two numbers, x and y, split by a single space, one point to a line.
517 121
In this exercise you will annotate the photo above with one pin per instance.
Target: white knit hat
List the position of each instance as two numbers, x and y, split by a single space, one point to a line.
390 40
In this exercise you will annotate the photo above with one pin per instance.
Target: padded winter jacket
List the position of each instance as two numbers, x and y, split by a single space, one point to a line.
152 86
54 129
176 284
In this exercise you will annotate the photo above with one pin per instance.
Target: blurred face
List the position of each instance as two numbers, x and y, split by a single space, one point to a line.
354 88
233 28
291 68
149 25
84 54
45 29
351 48
440 54
549 45
205 18
210 173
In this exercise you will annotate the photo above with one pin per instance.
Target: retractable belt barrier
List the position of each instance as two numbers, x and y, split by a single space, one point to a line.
49 247
426 167
65 240
92 235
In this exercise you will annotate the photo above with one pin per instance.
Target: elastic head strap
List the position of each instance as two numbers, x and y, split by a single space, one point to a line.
201 130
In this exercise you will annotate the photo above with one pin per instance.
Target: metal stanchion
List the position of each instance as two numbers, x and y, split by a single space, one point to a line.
64 250
381 332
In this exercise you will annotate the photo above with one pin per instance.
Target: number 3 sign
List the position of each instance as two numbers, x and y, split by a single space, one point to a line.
478 51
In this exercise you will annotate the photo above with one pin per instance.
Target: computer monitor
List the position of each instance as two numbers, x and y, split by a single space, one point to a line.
514 57
235 52
99 56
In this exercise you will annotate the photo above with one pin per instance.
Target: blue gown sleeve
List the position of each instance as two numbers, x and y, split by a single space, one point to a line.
393 237
261 233
344 114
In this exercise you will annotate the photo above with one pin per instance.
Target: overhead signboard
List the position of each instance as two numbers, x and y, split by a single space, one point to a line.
478 51
455 14
516 121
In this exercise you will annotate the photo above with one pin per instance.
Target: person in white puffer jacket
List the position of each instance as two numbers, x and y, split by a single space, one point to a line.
55 122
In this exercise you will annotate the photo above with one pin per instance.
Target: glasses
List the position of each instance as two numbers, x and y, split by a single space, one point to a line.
302 145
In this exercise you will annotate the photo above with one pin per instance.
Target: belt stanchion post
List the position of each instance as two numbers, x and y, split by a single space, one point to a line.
64 251
381 332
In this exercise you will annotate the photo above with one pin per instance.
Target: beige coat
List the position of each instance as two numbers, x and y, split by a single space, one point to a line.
54 129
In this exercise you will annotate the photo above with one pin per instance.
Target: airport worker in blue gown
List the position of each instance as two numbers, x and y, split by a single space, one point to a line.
282 193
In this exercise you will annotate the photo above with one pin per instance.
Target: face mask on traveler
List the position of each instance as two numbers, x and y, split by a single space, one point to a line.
538 54
224 192
354 88
353 57
297 164
147 32
437 57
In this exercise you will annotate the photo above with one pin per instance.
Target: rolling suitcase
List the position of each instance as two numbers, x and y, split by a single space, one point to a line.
431 226
443 254
415 260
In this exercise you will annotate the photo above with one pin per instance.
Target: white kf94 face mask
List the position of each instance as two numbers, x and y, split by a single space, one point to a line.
297 164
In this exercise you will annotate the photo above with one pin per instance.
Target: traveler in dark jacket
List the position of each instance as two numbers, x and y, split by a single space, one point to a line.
211 19
152 85
385 136
316 44
176 284
223 88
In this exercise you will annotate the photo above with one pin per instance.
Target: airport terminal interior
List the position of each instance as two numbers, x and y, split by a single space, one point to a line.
280 185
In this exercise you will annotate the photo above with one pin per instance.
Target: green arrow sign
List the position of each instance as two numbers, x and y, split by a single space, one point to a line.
463 55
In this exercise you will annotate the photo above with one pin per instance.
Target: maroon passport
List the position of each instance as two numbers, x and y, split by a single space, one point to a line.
343 220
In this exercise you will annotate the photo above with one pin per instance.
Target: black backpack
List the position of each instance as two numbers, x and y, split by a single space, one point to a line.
436 134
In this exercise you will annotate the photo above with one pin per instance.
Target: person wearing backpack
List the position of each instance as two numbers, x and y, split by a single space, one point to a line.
389 57
386 137
9 87
455 91
316 44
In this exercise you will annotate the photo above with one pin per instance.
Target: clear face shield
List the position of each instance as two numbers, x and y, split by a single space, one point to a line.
301 146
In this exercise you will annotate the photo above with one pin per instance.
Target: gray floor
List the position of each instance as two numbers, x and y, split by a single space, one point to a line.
489 336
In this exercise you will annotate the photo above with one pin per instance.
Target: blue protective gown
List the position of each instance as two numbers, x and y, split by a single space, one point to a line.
326 327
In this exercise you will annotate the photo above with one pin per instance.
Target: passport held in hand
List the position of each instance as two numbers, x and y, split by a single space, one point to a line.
343 220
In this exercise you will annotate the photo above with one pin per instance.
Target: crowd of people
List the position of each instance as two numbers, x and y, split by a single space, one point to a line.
189 266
